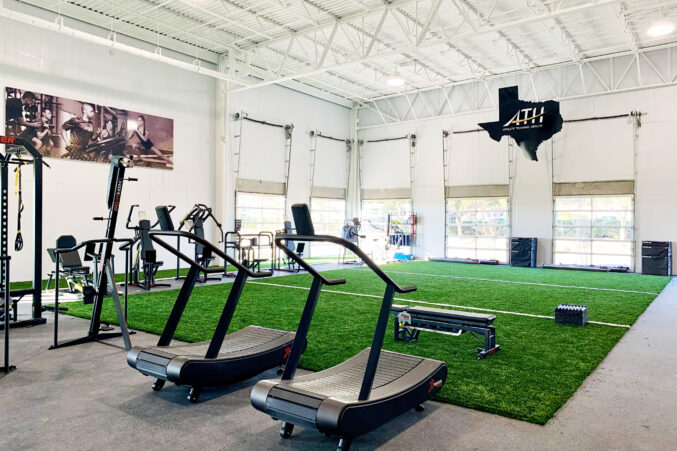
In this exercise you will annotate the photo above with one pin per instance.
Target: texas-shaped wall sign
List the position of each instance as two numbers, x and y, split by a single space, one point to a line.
528 123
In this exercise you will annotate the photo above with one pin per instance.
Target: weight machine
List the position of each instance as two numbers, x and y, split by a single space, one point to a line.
350 232
402 235
281 261
194 222
116 180
145 258
248 247
79 278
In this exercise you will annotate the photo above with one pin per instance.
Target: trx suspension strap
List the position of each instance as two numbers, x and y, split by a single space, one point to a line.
19 241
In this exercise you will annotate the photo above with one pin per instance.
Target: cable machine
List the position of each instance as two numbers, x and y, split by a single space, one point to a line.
16 149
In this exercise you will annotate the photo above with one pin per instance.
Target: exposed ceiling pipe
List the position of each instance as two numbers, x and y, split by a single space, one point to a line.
112 43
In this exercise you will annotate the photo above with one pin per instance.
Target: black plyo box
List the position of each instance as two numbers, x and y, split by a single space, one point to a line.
571 314
657 258
523 252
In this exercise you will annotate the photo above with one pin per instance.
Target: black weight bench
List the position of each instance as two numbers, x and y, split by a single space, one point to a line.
410 321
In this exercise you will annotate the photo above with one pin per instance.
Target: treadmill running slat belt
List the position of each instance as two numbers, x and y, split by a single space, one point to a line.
346 384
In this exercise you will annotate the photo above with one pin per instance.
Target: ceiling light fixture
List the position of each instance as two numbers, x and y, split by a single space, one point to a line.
395 81
661 28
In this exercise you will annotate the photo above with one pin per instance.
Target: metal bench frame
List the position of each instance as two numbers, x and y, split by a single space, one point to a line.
445 322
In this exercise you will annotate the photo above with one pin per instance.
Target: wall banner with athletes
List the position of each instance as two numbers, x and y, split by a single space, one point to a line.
75 130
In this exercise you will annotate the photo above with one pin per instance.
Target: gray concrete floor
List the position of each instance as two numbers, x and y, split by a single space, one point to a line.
87 397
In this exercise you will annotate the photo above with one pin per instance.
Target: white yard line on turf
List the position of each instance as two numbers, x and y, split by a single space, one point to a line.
445 276
347 293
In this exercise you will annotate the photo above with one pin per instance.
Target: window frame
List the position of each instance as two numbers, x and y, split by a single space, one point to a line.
314 246
239 207
475 225
589 240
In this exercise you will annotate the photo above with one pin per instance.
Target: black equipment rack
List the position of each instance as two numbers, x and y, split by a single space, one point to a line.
13 156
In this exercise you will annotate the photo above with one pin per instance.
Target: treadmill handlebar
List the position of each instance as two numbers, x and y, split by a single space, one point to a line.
154 235
312 271
341 242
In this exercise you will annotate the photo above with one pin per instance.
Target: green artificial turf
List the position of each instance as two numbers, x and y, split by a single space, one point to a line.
161 274
119 278
540 364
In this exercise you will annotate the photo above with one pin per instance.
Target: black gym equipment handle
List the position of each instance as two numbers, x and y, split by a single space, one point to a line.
312 271
341 242
154 235
129 217
61 250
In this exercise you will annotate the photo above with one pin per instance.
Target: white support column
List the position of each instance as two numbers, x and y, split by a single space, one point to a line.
446 158
354 197
222 187
637 248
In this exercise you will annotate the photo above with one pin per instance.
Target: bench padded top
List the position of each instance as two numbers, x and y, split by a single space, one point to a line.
444 313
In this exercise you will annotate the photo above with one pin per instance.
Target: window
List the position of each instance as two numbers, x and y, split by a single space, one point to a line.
375 222
595 231
478 228
375 215
260 212
328 218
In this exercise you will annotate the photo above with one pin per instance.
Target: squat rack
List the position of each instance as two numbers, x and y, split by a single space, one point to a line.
13 156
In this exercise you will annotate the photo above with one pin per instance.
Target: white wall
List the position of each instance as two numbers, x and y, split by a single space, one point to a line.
385 165
75 191
589 151
262 150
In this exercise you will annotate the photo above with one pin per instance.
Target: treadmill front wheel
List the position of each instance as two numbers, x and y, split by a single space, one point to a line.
158 384
194 394
286 430
344 444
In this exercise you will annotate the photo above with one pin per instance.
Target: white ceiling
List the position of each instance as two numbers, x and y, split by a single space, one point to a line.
346 49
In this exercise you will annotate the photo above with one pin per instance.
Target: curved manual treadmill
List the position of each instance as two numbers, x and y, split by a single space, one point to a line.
360 394
225 358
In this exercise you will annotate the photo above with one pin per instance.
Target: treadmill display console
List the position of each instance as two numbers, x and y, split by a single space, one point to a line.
302 219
